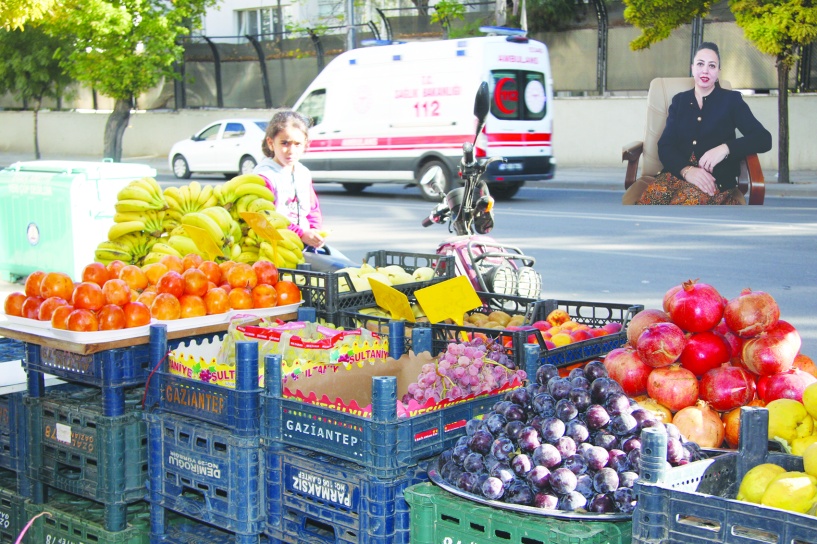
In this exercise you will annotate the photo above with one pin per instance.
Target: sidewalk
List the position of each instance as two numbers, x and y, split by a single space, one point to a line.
803 182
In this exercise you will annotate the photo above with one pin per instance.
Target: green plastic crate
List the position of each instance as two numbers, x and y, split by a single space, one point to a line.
438 517
12 507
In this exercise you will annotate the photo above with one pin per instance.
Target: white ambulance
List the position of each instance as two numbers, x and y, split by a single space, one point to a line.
387 113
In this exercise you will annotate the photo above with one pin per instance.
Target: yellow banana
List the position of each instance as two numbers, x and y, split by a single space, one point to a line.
152 257
275 219
198 219
135 192
235 251
151 186
231 186
184 245
164 249
220 216
249 243
105 256
124 217
195 191
184 190
260 204
248 257
132 205
154 222
118 230
174 198
242 204
260 191
291 239
206 198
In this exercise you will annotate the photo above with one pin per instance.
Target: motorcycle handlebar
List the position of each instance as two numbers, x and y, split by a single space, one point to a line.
427 222
467 153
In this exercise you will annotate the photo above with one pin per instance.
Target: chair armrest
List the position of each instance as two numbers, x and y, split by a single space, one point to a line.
631 153
751 176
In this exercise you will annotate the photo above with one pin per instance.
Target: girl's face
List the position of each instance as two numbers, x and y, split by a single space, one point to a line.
705 69
288 146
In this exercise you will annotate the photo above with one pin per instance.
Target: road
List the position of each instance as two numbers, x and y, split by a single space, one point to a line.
589 247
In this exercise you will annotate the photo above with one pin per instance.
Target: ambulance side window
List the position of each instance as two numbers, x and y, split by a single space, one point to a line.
518 95
314 106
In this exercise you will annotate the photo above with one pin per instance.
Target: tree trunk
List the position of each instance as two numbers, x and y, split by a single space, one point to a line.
115 130
783 121
36 134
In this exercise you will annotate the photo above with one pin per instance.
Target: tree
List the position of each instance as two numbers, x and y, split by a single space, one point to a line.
446 11
550 15
14 14
776 27
31 69
123 48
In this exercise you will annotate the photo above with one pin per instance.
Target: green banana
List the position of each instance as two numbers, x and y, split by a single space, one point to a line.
118 230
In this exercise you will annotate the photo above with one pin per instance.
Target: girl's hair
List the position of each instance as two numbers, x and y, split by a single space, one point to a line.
280 120
711 46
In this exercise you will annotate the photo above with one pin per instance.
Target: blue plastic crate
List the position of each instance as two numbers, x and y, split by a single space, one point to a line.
383 444
206 472
120 367
177 529
74 448
695 503
12 507
314 497
238 409
11 350
321 290
13 432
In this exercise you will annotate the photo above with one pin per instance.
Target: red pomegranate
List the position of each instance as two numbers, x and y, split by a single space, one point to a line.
696 307
727 387
661 344
641 321
751 313
705 351
626 367
772 351
673 386
784 385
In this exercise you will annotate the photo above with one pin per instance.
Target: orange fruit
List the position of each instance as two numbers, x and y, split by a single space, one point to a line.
154 271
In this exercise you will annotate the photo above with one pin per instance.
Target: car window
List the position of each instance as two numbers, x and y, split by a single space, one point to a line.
262 125
518 95
234 130
313 106
209 133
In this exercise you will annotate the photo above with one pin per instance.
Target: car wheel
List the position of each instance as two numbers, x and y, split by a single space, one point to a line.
504 191
180 168
427 192
355 188
246 165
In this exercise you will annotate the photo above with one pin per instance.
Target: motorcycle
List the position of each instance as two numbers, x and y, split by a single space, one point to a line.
490 266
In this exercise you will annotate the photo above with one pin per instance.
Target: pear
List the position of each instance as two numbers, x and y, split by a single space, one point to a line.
366 269
377 276
423 273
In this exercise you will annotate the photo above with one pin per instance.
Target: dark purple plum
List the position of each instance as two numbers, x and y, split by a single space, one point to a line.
463 440
631 443
623 425
521 464
472 426
675 451
580 382
546 455
492 488
553 429
566 446
596 458
580 398
515 412
575 463
545 373
451 471
582 447
528 439
601 504
672 431
576 372
604 439
566 410
584 485
500 406
490 461
617 404
559 388
543 404
481 441
624 498
546 501
513 428
618 460
595 369
468 481
495 422
519 396
459 453
572 501
596 416
538 477
444 457
473 462
645 418
536 423
562 480
627 478
504 472
502 449
600 388
518 492
606 480
577 430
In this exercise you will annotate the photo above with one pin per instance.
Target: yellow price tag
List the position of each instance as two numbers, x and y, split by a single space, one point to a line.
261 226
448 300
395 302
205 242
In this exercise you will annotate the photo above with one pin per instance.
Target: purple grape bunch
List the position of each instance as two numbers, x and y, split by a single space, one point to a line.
560 443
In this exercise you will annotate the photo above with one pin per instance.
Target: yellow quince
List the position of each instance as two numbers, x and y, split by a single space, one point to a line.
788 419
792 491
756 480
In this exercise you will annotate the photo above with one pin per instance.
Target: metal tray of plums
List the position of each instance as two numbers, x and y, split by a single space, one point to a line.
578 515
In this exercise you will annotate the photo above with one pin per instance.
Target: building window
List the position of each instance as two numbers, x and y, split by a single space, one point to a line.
256 22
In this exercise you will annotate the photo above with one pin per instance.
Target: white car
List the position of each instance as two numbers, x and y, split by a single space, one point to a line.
228 146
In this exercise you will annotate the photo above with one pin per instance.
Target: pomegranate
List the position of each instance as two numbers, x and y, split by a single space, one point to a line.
784 385
641 321
668 296
660 344
751 313
660 411
731 424
700 424
705 351
696 307
772 351
673 386
626 367
727 387
735 342
804 363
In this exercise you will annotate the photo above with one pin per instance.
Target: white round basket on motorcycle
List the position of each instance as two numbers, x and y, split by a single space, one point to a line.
469 211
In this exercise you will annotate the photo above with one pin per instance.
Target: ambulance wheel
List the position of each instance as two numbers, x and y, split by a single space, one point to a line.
355 188
505 191
428 193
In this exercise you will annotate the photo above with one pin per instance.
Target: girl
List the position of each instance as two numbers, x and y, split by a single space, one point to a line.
285 140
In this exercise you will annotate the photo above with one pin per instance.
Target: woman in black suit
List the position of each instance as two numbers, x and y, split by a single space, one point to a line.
699 148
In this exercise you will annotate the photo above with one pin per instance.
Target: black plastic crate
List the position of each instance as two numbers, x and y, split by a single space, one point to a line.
11 350
13 432
74 448
322 290
206 472
168 527
314 497
12 507
695 503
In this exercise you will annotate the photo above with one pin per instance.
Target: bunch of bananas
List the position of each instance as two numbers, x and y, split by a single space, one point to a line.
240 186
287 253
189 198
130 248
